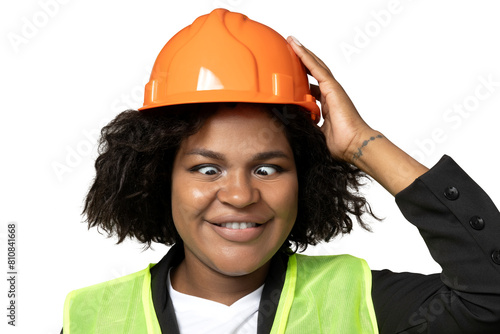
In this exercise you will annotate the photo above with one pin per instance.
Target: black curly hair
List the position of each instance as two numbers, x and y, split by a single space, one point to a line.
130 195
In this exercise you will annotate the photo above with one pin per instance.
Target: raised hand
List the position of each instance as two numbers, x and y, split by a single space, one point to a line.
348 136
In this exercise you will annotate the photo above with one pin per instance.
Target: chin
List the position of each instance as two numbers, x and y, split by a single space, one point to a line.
238 264
237 272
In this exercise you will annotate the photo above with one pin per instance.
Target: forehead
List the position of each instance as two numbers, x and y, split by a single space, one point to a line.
245 128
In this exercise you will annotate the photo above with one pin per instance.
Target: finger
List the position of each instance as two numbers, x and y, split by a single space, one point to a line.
312 54
316 66
292 39
318 60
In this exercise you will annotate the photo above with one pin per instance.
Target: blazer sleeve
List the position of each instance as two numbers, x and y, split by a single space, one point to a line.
461 227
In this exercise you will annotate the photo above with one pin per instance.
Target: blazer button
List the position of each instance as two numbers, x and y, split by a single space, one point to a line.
477 223
451 193
495 256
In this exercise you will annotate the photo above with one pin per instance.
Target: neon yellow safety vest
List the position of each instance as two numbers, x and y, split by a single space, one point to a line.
321 294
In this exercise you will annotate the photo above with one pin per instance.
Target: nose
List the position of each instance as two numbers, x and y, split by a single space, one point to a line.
238 190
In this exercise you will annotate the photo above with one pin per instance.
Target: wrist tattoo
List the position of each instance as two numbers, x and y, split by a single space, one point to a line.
359 153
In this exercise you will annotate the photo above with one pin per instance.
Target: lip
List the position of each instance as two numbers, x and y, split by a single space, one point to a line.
241 236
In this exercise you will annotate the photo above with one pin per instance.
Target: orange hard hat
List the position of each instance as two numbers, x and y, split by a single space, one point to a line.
226 57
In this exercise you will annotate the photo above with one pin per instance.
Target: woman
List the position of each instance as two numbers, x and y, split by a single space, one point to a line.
225 162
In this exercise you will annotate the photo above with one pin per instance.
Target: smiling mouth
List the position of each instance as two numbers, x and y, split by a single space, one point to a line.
237 225
238 230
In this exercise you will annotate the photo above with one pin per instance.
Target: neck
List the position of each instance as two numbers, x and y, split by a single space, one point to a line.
194 278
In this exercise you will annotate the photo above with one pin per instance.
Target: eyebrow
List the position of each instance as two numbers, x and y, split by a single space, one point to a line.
270 155
206 153
257 157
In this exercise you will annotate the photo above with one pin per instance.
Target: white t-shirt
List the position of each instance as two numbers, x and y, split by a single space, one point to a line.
198 315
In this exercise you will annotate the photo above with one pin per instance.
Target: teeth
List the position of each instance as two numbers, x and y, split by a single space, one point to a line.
238 226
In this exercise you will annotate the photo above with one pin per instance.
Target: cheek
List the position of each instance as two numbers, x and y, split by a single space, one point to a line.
285 200
292 206
189 201
293 198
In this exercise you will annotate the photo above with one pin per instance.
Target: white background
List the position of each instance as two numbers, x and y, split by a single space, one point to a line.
69 66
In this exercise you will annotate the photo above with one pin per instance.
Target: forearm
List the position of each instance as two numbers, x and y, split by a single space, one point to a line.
377 156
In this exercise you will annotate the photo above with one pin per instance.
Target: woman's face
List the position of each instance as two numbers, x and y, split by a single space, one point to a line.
234 191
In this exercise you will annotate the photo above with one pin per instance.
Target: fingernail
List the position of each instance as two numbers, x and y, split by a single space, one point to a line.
296 41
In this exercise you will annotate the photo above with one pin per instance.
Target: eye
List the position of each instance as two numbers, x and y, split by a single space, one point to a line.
267 170
206 170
